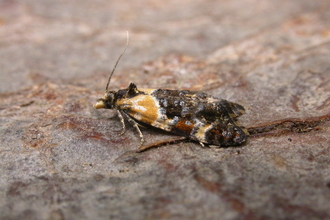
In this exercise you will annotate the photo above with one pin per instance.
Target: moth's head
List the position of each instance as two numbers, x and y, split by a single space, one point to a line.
108 101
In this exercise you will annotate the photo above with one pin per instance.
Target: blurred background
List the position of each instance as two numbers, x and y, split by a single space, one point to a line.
62 159
70 40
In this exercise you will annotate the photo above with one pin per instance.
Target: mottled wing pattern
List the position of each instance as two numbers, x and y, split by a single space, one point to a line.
196 115
202 117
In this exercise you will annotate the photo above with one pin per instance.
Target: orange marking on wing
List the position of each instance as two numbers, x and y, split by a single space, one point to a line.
184 127
142 108
151 114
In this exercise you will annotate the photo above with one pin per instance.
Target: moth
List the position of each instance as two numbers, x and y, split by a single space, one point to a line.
192 114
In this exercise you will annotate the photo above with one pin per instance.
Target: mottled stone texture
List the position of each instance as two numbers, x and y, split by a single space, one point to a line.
62 159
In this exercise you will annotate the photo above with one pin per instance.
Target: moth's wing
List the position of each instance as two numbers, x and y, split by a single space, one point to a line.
219 109
226 133
234 110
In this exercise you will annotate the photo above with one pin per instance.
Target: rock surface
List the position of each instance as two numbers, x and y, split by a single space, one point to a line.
62 159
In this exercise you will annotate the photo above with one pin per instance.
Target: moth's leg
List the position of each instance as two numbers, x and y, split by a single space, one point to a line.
135 125
122 122
201 144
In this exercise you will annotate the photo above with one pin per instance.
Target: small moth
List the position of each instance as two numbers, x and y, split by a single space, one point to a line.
195 115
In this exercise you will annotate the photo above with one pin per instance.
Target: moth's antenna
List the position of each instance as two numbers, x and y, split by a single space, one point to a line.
113 70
